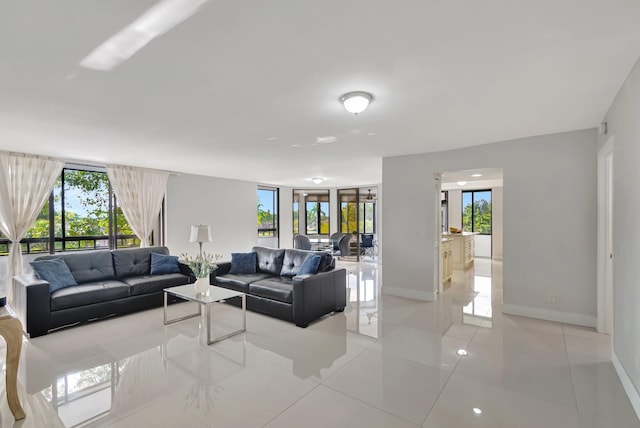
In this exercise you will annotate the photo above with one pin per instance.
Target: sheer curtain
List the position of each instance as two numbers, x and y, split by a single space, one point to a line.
139 192
25 184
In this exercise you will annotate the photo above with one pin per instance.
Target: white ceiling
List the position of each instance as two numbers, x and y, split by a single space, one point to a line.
249 90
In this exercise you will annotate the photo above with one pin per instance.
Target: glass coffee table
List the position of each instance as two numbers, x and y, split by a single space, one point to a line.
205 301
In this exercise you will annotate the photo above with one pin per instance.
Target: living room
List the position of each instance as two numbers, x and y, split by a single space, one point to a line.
540 101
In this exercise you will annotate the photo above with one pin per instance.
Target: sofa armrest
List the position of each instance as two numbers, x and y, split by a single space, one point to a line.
223 268
31 303
319 294
186 270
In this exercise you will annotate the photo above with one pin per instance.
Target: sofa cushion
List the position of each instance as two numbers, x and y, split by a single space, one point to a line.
310 265
134 261
89 293
87 266
154 283
276 288
293 260
162 264
327 263
243 263
55 272
269 259
238 282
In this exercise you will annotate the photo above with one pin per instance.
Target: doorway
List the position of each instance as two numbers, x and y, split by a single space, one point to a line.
470 201
358 219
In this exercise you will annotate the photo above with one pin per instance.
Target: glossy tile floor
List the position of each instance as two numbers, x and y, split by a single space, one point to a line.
384 362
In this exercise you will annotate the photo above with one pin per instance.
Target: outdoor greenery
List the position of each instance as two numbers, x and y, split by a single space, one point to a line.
86 214
348 217
296 219
317 213
266 220
480 213
267 212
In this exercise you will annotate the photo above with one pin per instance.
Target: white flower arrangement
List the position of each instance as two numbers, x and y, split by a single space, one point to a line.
202 264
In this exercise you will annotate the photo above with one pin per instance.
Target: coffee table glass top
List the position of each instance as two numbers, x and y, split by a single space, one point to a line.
215 294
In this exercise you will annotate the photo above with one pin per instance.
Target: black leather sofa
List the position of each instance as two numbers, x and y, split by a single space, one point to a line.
109 283
275 289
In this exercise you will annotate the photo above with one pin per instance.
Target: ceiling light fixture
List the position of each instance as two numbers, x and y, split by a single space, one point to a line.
476 175
462 352
461 183
477 410
317 180
356 102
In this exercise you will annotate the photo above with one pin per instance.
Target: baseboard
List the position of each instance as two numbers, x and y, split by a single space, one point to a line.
549 315
628 386
408 293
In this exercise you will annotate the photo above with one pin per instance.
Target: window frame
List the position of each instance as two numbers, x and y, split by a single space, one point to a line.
473 192
275 230
317 198
52 241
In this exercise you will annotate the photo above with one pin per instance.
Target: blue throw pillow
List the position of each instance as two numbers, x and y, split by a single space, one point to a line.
310 265
55 272
162 264
243 263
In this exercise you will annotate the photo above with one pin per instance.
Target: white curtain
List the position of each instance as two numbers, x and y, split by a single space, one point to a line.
139 192
25 184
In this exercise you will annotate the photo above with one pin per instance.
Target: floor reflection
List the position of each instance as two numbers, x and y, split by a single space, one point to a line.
469 298
362 298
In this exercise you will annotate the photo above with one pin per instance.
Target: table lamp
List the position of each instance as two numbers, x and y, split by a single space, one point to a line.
200 234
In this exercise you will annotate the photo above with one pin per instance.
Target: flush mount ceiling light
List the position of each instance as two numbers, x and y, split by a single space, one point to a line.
476 175
356 102
317 180
461 183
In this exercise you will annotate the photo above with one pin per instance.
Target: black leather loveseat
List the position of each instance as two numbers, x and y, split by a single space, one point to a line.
275 288
109 283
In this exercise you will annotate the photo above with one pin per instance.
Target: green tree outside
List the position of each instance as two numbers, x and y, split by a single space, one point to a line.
480 212
90 190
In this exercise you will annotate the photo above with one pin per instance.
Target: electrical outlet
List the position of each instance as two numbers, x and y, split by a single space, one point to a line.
551 298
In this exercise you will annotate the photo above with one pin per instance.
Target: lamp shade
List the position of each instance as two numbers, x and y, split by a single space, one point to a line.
200 233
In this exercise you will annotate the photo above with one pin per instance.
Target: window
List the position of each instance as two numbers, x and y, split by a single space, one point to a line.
348 214
357 217
81 214
317 213
476 211
367 217
267 212
296 213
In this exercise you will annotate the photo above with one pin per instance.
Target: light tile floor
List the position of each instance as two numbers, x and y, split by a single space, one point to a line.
385 362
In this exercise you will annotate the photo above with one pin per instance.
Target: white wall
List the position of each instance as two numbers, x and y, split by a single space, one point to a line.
285 211
455 208
482 246
549 186
623 125
497 206
228 206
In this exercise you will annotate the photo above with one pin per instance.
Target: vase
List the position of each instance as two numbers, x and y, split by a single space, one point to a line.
202 285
